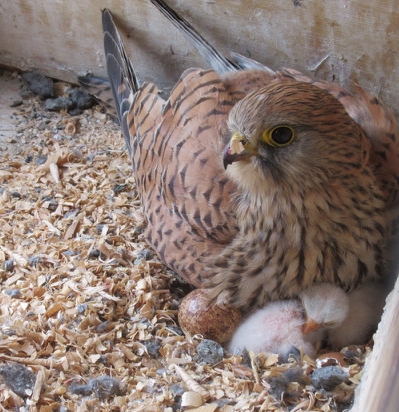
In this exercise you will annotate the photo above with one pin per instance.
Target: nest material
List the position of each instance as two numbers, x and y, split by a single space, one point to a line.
88 308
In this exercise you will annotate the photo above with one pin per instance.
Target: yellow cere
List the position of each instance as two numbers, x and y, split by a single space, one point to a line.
236 144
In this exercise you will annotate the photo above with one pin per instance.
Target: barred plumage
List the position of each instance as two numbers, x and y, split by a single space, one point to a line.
313 205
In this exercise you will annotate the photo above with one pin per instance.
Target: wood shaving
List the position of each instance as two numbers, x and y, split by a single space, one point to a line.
191 384
83 296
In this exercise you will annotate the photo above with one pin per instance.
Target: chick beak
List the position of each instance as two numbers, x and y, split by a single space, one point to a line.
310 326
238 149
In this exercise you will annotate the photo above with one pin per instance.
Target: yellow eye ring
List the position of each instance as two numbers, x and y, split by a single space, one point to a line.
279 136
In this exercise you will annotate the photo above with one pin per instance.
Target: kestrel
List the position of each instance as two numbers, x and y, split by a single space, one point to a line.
256 184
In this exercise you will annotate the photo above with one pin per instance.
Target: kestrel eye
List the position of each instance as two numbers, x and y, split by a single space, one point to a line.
279 136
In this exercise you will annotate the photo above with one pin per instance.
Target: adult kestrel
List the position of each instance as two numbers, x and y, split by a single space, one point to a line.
256 184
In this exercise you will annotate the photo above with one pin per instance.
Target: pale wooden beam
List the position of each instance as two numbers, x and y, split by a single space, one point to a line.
379 388
337 40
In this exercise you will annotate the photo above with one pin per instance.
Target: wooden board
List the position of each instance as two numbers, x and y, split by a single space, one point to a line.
337 40
379 388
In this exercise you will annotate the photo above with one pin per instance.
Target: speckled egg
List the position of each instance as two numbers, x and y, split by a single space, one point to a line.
214 322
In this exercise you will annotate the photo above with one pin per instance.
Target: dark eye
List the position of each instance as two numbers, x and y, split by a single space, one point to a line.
282 135
279 136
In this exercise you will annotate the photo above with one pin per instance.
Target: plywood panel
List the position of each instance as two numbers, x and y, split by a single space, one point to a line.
379 389
339 40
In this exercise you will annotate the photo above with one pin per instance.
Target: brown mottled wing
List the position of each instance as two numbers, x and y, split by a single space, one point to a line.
176 150
185 194
379 123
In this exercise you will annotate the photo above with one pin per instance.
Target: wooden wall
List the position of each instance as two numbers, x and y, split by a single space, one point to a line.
339 40
379 388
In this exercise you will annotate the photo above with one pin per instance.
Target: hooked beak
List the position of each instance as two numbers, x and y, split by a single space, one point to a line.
237 149
310 326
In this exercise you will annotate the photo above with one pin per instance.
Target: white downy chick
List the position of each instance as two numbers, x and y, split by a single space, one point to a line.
326 307
275 328
342 318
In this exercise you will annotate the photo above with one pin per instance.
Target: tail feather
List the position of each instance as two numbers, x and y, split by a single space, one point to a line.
122 78
113 45
216 60
246 63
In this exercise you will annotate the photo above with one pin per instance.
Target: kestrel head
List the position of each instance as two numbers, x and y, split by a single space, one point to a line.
294 132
